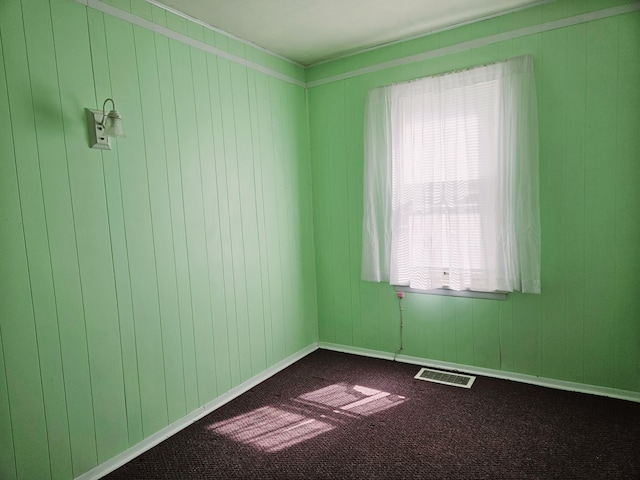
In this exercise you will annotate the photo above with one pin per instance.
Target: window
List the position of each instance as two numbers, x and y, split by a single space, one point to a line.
451 181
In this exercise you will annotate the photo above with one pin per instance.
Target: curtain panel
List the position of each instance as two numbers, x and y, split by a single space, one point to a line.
451 193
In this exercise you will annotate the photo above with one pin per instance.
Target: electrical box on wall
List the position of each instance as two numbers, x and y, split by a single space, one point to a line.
97 137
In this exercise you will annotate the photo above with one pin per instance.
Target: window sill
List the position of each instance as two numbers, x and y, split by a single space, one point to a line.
454 293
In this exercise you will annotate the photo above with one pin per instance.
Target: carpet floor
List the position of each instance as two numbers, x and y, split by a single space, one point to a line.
338 416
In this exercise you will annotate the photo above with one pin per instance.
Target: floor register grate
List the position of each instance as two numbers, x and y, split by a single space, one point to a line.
446 378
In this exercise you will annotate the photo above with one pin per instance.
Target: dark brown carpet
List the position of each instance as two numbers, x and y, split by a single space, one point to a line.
338 416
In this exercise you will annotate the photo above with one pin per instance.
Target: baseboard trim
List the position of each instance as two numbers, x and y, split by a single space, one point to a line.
153 440
488 372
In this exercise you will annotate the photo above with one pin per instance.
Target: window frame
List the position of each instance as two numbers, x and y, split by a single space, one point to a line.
513 211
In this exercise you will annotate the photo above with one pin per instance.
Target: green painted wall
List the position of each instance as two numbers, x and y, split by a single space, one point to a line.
585 327
140 283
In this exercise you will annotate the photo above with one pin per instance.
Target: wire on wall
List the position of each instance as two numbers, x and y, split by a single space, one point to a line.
400 297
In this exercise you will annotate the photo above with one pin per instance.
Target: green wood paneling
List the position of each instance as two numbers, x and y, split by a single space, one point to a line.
169 269
486 333
195 331
203 325
259 313
23 292
142 9
229 225
506 345
280 251
449 350
574 200
272 200
138 275
600 167
553 153
432 314
148 70
322 102
338 202
7 454
417 312
10 212
627 202
216 235
464 330
286 185
89 206
147 280
354 163
182 94
266 195
137 224
17 321
253 173
237 159
45 95
163 383
580 328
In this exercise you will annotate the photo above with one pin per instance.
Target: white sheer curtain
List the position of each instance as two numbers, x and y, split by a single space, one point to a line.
451 181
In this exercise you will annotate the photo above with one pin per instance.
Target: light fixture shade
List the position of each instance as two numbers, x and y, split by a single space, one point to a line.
113 125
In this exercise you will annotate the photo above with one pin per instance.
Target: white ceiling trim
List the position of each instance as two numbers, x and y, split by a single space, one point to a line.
552 25
432 32
219 30
311 31
141 22
482 42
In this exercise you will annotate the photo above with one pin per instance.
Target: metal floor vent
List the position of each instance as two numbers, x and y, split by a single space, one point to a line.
446 378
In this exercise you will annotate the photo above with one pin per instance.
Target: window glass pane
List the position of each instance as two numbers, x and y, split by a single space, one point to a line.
440 162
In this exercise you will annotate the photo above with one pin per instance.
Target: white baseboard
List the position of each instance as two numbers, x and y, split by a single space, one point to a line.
153 440
488 372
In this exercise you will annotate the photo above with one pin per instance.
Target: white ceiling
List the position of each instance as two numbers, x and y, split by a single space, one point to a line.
310 31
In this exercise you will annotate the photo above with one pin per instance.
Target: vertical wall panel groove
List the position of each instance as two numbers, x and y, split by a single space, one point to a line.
137 223
155 173
260 334
574 197
230 210
8 467
172 349
21 331
8 211
42 65
179 69
256 297
217 203
26 419
65 249
266 156
279 334
236 109
193 213
206 151
601 73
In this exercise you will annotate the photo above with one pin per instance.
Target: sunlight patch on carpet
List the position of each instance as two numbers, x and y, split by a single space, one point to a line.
274 428
270 429
354 399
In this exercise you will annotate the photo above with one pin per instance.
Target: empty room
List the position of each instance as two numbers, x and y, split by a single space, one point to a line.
319 239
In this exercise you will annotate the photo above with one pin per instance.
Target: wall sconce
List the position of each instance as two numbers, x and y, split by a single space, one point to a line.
104 126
